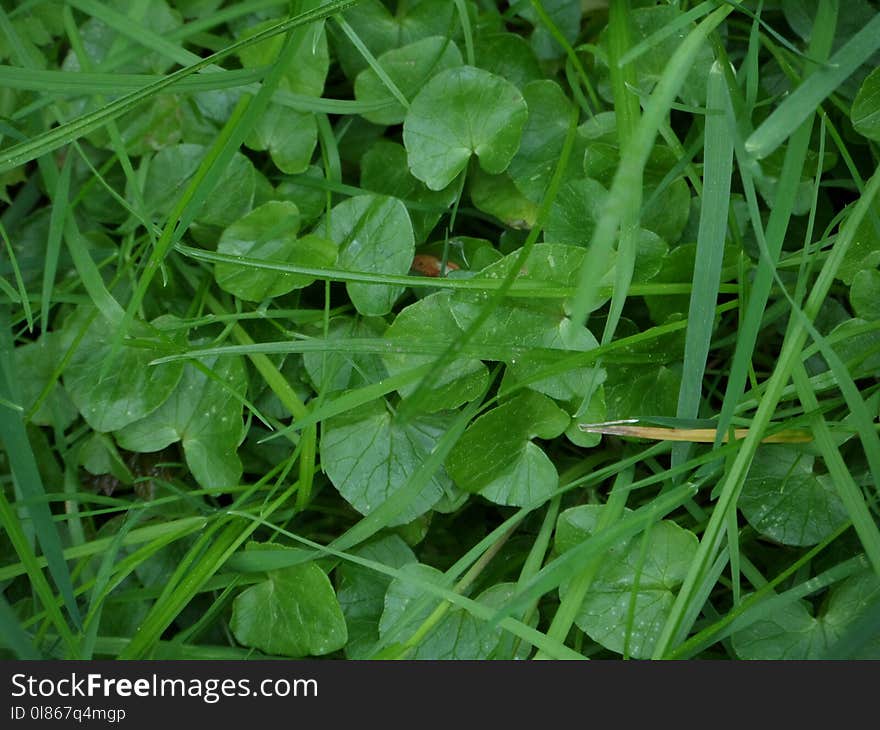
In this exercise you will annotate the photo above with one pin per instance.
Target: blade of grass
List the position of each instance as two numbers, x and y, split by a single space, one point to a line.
53 242
714 207
90 275
23 466
465 20
38 582
101 582
178 528
371 61
626 114
132 30
848 491
23 296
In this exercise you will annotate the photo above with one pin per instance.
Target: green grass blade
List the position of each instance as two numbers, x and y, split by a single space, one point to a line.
372 62
53 243
89 274
626 113
23 465
465 20
23 296
714 206
40 586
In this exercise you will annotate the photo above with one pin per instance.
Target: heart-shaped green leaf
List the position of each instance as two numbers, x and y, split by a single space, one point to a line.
129 390
461 112
374 234
634 588
293 612
784 499
369 454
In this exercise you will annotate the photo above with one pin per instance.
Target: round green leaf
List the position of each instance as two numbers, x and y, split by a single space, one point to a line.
374 234
369 455
632 580
409 67
129 390
461 112
289 136
510 56
496 457
294 613
205 415
786 501
268 233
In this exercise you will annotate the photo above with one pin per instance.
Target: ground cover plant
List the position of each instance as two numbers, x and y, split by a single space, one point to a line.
451 329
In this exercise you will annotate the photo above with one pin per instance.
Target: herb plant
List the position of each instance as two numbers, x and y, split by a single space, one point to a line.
449 329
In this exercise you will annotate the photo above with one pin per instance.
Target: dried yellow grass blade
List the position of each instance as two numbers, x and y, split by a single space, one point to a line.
693 435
